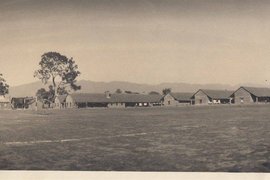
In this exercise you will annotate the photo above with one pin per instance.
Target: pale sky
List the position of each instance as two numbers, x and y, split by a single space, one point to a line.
143 41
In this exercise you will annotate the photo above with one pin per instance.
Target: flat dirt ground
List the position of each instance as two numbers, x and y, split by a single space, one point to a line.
209 138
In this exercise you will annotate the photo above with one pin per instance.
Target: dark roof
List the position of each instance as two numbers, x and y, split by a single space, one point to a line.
62 98
28 100
21 99
258 91
101 98
216 94
182 96
89 97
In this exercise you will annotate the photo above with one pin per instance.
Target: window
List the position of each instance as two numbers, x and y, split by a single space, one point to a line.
169 102
200 101
242 100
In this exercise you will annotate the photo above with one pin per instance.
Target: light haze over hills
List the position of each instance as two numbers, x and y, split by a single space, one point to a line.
100 87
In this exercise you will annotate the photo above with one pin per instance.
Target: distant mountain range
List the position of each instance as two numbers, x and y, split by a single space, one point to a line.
100 87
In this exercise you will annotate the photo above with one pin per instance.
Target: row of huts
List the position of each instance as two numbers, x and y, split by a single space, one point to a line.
243 95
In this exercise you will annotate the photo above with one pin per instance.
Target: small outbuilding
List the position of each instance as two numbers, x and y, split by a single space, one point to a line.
177 99
209 96
24 103
251 95
5 103
60 102
18 102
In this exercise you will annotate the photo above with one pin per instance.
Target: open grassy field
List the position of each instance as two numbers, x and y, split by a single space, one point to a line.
209 138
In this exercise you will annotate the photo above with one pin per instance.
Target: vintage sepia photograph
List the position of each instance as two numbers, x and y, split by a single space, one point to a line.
135 85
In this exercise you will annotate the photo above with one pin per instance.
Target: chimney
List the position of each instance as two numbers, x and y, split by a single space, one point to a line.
108 94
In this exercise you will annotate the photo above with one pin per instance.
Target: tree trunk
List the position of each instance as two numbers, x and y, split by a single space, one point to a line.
54 87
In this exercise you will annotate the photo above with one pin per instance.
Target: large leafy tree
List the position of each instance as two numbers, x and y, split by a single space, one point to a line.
47 97
118 91
4 87
58 70
166 91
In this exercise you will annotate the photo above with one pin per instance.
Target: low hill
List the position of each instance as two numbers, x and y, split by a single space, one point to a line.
99 87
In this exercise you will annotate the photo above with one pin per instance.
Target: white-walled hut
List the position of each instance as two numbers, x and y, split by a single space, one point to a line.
60 101
177 99
5 102
251 95
209 96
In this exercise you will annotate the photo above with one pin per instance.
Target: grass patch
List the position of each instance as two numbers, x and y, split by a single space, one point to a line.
209 138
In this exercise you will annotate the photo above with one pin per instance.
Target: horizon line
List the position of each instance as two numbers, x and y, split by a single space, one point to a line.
123 81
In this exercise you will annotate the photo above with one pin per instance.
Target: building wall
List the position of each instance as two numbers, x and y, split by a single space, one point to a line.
97 104
154 104
201 99
263 100
58 104
184 103
69 103
169 100
5 105
18 103
241 96
142 104
39 105
116 105
221 101
32 106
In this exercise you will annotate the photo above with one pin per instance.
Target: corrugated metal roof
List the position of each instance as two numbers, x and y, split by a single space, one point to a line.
258 91
182 96
217 94
101 98
89 97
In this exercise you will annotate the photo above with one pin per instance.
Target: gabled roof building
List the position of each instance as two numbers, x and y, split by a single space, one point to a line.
177 99
84 100
209 96
250 95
